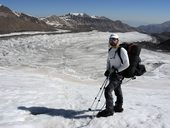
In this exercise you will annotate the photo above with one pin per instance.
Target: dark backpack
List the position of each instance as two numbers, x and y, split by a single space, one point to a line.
135 68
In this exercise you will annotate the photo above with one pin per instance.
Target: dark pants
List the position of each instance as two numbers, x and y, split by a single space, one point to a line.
114 84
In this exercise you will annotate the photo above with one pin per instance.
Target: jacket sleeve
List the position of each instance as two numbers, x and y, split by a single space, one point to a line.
125 60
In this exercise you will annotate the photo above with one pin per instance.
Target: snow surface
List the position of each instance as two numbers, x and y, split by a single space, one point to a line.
50 81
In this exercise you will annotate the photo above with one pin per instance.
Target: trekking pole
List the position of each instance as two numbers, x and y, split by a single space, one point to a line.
132 78
99 99
104 83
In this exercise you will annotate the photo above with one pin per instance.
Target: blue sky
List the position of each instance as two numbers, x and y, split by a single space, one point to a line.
133 12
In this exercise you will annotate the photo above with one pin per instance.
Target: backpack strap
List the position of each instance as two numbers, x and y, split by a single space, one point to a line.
109 49
118 51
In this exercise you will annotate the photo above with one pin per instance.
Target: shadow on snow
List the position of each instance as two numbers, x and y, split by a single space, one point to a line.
56 112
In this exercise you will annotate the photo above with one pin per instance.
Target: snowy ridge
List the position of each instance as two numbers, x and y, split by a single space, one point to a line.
94 17
83 15
51 81
17 13
77 14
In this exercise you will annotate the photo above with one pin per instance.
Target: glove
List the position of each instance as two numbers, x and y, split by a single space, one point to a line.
107 73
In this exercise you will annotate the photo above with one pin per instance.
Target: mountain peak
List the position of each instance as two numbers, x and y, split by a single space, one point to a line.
4 8
12 21
78 14
167 23
84 22
156 28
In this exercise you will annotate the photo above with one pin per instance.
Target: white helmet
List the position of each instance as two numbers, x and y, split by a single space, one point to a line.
114 36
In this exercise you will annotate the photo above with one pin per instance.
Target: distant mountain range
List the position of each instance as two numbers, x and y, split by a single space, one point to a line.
84 22
11 21
155 28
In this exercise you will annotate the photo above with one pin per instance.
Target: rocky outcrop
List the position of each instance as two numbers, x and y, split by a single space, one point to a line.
16 22
161 42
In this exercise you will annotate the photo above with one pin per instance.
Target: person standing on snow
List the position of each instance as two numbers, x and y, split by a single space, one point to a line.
113 73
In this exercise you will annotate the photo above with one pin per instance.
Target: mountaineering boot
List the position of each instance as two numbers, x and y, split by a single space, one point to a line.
118 108
105 113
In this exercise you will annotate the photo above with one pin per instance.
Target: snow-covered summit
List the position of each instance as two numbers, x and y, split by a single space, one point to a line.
79 14
86 15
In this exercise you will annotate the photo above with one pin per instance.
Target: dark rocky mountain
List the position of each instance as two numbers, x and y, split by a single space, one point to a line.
161 42
165 45
155 28
11 21
84 22
161 37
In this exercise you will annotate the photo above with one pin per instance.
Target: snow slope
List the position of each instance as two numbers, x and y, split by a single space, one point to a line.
47 85
63 52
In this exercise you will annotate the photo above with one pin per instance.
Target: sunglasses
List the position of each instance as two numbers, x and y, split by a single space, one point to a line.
112 39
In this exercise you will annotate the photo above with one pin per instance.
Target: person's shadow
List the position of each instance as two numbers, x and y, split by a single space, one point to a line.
56 112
